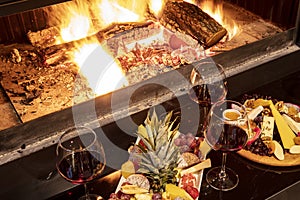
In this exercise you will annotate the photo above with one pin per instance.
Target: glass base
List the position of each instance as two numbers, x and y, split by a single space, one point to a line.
91 197
223 182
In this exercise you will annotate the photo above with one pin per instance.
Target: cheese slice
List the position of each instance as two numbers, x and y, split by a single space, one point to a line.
286 134
267 128
204 164
133 189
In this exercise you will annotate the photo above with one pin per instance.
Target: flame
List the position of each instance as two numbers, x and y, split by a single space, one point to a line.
156 6
96 65
99 68
111 12
216 12
78 28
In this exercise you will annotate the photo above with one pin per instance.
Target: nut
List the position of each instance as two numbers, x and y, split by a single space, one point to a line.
297 140
271 146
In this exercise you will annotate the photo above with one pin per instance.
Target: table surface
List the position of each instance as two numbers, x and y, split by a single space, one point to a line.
257 181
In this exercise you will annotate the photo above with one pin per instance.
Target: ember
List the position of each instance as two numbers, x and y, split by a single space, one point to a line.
126 43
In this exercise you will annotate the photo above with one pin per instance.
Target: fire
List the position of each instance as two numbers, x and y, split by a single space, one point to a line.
78 28
111 12
216 12
156 6
100 69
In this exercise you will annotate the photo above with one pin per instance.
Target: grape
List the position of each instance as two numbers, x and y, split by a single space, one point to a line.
189 141
113 196
183 141
259 147
125 196
177 141
156 196
258 119
190 135
184 148
195 143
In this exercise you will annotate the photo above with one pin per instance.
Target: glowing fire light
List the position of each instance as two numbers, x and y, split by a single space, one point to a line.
102 72
156 6
78 28
216 12
100 69
112 12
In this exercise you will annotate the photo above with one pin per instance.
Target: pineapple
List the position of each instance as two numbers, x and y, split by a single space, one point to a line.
158 155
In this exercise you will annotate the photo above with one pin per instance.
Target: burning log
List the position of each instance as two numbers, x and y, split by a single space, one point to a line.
191 20
119 28
116 36
44 38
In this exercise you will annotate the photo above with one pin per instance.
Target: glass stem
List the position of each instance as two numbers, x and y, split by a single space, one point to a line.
86 192
222 173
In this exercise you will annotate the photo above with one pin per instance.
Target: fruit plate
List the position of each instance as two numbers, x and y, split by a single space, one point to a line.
198 177
289 160
163 163
195 177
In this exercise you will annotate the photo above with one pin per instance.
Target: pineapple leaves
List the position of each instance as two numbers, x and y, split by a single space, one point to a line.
158 150
142 131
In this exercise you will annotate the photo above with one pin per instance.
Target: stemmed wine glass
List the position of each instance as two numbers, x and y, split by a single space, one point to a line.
226 130
80 158
208 84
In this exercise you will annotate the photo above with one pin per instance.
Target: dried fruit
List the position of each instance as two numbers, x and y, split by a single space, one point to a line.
139 180
260 102
271 146
297 140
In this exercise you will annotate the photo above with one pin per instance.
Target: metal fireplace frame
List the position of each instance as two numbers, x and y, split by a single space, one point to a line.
8 7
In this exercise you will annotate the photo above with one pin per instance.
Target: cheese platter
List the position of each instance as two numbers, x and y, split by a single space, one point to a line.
277 141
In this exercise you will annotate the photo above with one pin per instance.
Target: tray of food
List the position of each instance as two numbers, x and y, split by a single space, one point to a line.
163 163
275 132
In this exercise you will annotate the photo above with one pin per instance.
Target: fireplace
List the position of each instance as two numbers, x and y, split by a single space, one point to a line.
254 56
44 48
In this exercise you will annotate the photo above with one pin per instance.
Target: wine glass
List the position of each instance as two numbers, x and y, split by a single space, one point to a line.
208 85
80 158
226 130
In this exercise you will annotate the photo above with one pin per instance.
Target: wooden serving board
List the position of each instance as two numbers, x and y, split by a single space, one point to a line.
289 159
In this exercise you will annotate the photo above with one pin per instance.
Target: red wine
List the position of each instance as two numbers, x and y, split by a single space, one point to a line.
81 166
227 137
200 94
206 94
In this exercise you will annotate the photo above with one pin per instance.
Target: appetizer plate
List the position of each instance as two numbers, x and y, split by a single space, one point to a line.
196 176
289 159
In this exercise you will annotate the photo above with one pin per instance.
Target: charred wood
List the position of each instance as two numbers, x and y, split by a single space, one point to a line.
191 20
44 38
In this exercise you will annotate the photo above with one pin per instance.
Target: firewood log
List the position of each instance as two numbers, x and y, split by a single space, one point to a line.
190 19
44 38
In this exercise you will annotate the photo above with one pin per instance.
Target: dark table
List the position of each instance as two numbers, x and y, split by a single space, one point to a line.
257 181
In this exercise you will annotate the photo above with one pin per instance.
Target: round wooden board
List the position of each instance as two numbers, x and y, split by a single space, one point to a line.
289 159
